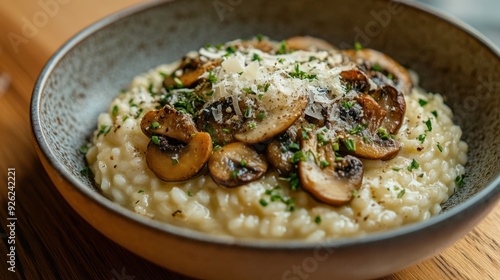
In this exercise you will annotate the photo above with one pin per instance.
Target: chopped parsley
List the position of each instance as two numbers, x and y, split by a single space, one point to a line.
358 129
259 37
294 147
175 161
103 130
189 193
382 132
85 171
140 191
299 74
155 139
256 57
401 193
263 202
376 67
413 165
317 220
298 156
358 46
421 138
154 125
397 169
350 144
252 125
139 112
324 163
261 115
83 149
248 112
355 193
428 124
243 163
282 49
439 147
211 77
435 113
335 146
459 180
348 105
305 136
422 102
114 112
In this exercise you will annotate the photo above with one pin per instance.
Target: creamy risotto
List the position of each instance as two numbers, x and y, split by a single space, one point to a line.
279 140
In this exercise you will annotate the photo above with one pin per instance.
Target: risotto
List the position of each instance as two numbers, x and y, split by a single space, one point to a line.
279 140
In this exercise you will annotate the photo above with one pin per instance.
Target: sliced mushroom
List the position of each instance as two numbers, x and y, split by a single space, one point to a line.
277 119
375 62
393 102
308 43
329 181
168 122
178 162
356 80
365 135
220 120
280 152
179 150
236 164
192 69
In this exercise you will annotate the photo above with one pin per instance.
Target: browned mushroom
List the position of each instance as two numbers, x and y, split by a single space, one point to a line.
168 122
255 124
326 179
356 80
176 151
178 162
276 120
236 164
308 43
374 63
280 152
365 137
192 69
393 103
220 120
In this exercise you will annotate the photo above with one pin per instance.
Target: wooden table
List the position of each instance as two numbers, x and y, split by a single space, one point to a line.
52 241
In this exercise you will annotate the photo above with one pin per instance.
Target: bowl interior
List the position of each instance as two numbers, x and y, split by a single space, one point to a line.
89 71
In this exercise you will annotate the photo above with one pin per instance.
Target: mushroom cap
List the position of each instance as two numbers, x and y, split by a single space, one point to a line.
333 183
180 163
236 164
192 69
172 123
402 80
393 103
278 119
279 155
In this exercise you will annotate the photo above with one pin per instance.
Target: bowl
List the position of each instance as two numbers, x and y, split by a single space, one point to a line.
82 78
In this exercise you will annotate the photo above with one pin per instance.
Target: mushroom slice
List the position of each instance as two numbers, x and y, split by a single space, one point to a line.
171 162
377 62
366 137
168 122
192 69
220 121
355 80
280 152
329 181
277 119
236 164
393 102
308 43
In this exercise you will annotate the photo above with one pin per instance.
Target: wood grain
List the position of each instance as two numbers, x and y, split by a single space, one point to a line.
53 242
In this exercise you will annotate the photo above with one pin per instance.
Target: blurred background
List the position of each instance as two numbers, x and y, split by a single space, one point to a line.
483 15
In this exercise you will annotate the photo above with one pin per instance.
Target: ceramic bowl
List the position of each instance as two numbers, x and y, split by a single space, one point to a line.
82 78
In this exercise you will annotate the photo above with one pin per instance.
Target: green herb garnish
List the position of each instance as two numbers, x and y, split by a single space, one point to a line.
413 165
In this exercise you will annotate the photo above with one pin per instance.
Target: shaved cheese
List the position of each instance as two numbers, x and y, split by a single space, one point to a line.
232 65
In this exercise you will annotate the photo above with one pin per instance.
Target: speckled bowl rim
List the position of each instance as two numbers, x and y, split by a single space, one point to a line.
492 188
